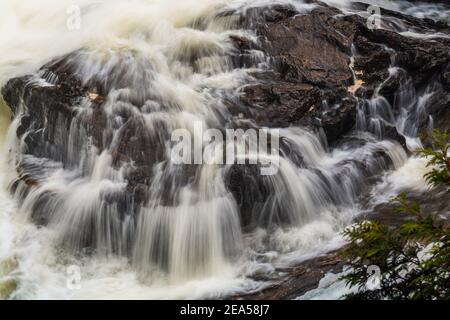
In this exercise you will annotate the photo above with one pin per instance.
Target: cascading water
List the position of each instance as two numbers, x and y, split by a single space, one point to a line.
160 66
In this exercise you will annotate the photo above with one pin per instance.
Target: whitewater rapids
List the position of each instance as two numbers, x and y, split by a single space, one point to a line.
209 255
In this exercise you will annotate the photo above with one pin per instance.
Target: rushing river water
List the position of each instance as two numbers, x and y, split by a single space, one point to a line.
196 248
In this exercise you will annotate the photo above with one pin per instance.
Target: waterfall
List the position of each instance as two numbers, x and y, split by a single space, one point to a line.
159 66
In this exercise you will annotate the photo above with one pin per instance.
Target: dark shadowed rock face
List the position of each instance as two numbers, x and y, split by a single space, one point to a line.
312 48
49 112
310 56
281 103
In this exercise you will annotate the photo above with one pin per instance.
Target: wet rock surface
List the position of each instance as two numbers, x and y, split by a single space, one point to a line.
299 279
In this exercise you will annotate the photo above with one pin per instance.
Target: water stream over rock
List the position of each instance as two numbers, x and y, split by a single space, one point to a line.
88 155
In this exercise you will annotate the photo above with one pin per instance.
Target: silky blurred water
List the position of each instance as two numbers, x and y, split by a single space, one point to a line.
319 206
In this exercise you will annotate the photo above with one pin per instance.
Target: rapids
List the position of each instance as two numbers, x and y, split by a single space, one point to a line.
194 247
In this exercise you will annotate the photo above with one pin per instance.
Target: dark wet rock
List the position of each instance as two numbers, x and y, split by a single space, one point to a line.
137 144
392 19
390 132
422 58
340 120
434 203
280 104
315 49
441 122
446 80
392 85
373 66
51 112
438 105
48 111
298 280
247 187
310 48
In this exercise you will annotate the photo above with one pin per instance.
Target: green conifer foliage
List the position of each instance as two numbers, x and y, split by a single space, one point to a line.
413 258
